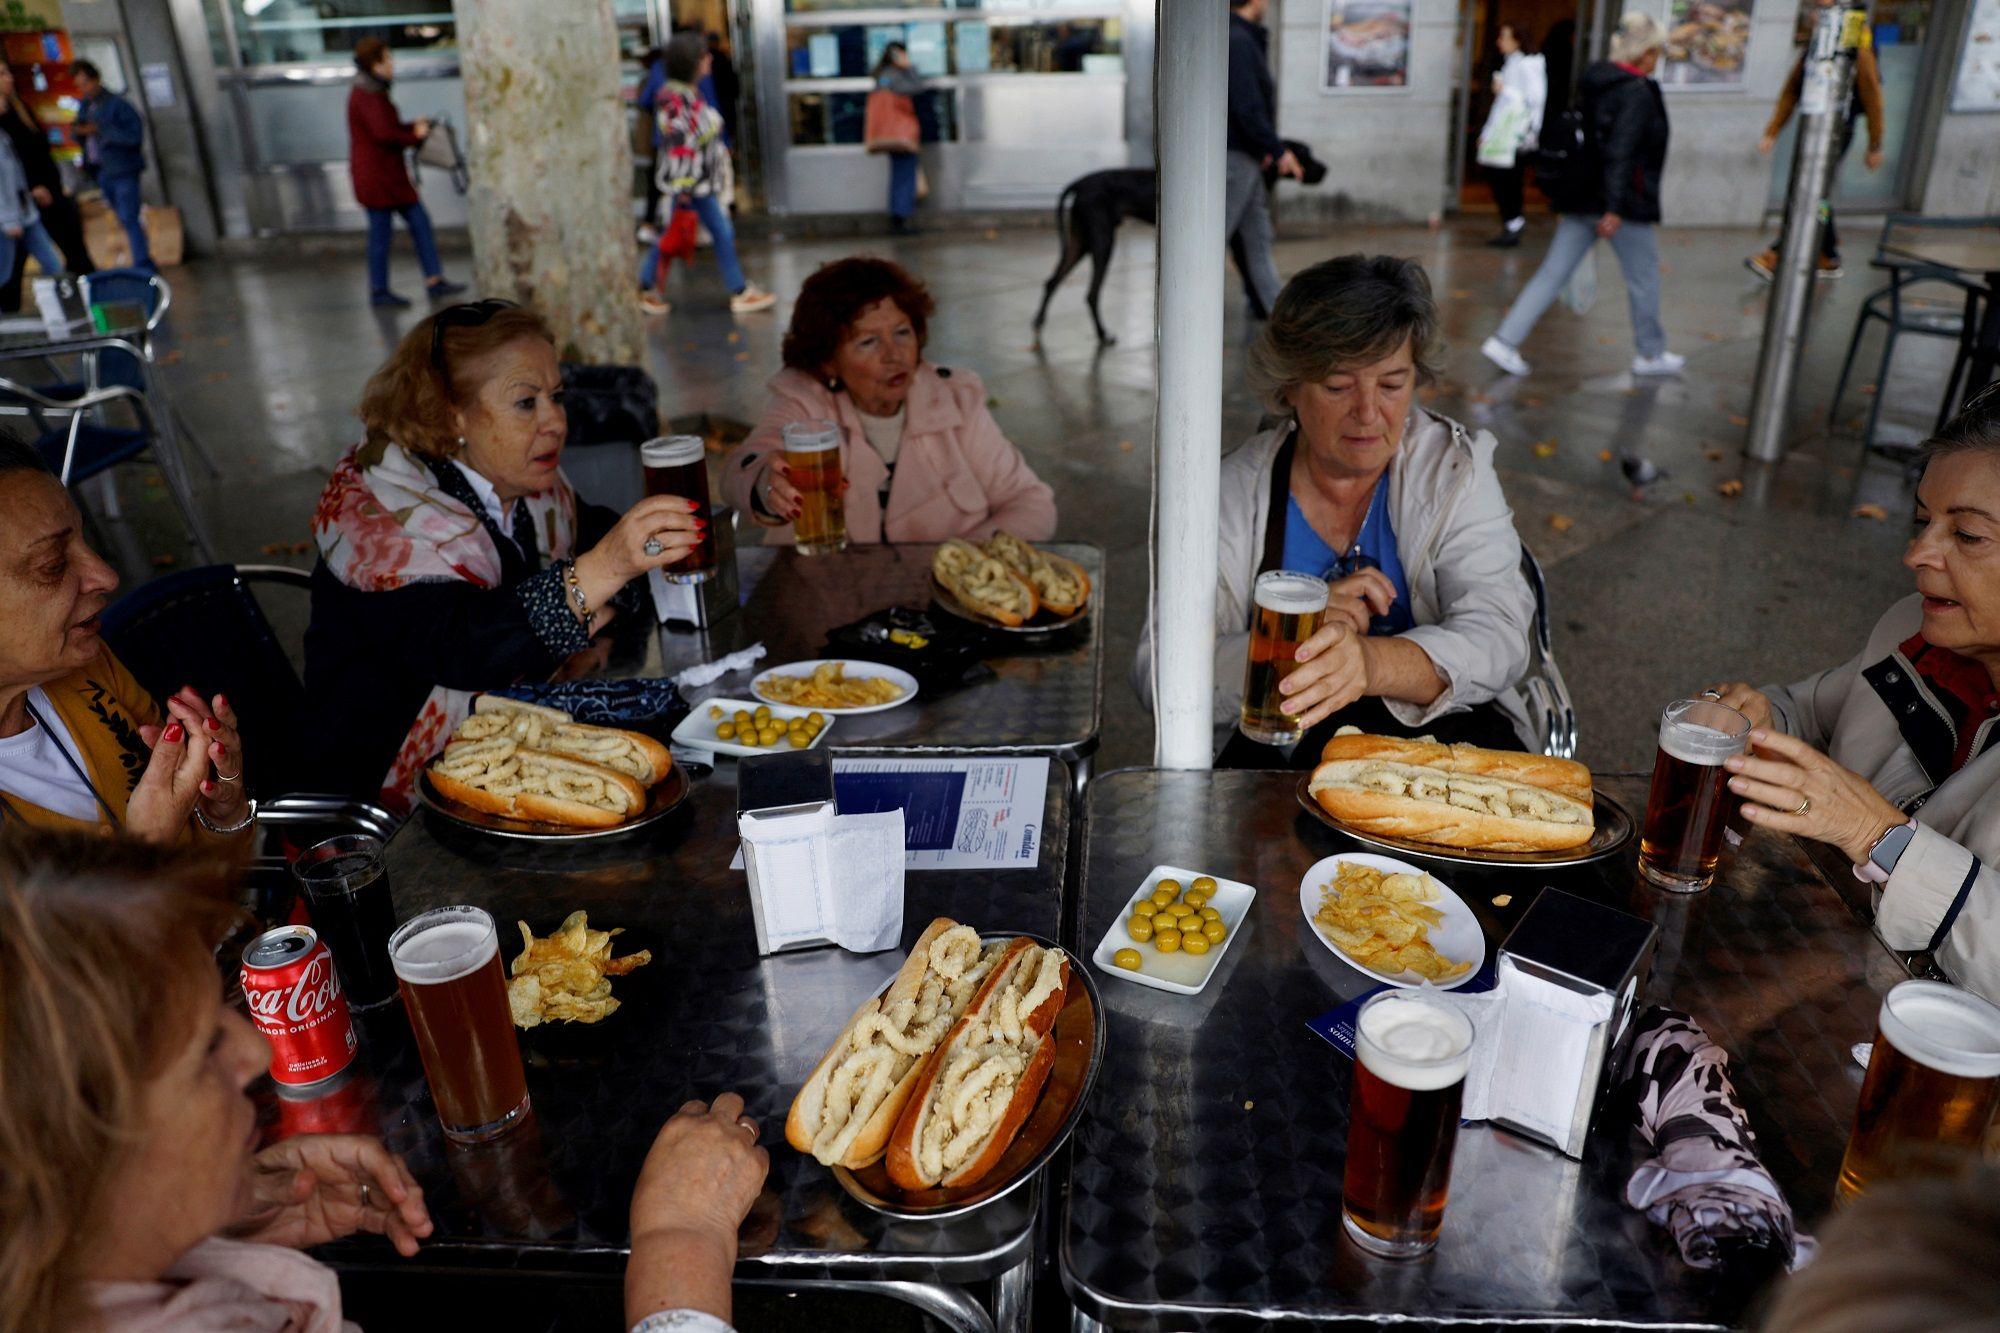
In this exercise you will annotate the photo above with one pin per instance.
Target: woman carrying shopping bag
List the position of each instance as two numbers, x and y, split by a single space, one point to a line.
891 127
1520 93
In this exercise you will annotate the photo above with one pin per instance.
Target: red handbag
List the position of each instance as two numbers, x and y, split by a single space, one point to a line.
890 123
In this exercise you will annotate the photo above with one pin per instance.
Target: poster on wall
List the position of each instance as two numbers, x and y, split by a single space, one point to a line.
1367 45
1707 43
1977 87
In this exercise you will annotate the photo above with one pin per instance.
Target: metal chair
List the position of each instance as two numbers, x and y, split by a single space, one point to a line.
148 291
204 627
85 448
1899 313
1551 715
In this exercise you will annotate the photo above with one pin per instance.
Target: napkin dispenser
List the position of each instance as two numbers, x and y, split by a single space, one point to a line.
1570 975
701 604
784 815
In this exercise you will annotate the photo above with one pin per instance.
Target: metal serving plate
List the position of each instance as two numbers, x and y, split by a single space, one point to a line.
660 802
1079 1038
1614 829
942 597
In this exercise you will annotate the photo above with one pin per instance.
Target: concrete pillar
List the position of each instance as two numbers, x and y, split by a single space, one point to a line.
550 205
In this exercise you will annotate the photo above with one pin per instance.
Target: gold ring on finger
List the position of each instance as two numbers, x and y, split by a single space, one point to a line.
1805 804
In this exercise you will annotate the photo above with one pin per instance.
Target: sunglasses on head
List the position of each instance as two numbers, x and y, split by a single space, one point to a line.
468 316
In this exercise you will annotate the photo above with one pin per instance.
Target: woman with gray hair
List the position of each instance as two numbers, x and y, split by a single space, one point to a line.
1399 509
1892 756
1613 194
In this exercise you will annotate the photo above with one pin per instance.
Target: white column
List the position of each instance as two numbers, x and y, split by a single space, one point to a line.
1190 100
551 158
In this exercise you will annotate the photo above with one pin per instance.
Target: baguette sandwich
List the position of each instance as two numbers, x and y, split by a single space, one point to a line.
984 584
553 731
1062 584
978 1088
844 1113
1454 795
500 776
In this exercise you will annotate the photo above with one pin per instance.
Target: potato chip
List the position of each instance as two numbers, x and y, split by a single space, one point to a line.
565 977
1382 921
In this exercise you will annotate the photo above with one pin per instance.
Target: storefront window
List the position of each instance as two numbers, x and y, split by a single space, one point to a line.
836 6
837 117
278 32
974 46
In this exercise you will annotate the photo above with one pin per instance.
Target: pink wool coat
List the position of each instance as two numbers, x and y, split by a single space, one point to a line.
956 474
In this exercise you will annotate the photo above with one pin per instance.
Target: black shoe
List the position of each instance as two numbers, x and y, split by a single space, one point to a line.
443 288
902 227
387 298
1506 240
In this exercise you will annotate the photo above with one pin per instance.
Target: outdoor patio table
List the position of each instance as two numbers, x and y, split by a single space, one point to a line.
1046 695
706 1016
1974 252
1205 1180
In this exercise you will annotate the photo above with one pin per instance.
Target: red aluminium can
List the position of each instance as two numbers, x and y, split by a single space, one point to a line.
295 1001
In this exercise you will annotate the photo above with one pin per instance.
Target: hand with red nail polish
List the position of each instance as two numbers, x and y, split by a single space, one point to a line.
163 800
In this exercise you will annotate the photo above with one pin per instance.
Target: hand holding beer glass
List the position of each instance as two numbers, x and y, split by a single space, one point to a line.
678 465
808 487
1411 1053
448 962
1932 1087
1287 610
1685 808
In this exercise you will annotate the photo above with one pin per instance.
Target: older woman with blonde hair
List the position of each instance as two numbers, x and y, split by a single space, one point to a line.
136 1199
453 555
1397 508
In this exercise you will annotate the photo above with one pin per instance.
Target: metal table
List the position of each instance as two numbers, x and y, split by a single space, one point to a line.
1046 695
1205 1176
706 1016
1974 252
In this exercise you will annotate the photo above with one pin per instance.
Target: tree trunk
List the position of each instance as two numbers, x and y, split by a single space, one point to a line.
551 162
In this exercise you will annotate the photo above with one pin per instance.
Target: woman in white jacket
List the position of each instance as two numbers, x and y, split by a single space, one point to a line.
1399 508
1513 128
1892 756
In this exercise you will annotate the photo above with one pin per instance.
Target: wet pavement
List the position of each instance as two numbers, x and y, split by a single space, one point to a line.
1655 590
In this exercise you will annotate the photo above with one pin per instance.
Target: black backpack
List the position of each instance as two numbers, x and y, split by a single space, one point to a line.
1565 156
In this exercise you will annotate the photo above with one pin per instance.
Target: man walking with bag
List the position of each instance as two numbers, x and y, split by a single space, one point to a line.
114 152
1253 145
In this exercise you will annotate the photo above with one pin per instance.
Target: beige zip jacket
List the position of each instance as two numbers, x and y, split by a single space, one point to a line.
1875 716
1461 556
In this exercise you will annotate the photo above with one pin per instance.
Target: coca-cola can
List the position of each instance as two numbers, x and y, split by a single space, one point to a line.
294 998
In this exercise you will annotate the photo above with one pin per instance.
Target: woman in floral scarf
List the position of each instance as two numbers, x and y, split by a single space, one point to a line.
454 557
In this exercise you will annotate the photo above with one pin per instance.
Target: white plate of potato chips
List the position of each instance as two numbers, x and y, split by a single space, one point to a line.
834 687
1392 921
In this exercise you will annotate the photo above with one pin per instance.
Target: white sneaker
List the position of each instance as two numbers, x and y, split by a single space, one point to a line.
1666 363
751 299
1503 356
648 234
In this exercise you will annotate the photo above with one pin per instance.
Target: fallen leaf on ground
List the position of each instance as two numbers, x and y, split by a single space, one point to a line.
1605 340
1528 400
1712 455
172 358
1125 446
1731 488
1874 511
1867 388
1604 455
992 234
1738 419
1714 337
273 548
215 377
1482 397
1561 522
1687 497
743 356
301 547
1543 448
735 336
154 480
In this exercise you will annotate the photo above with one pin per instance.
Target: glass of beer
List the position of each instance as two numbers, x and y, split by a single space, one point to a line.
347 891
1411 1053
678 465
1932 1087
1686 810
812 462
1289 607
448 962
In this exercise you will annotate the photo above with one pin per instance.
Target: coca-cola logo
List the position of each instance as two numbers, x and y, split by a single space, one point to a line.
312 993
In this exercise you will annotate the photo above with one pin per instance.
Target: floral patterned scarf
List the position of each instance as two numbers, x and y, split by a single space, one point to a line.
389 525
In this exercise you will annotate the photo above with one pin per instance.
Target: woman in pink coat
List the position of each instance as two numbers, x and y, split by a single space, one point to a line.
923 457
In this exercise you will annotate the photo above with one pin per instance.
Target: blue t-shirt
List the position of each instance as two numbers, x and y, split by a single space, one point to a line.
1307 552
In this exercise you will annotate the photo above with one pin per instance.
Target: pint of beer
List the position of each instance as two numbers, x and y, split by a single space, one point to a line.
1686 810
812 461
1411 1054
1288 608
678 465
448 963
1932 1087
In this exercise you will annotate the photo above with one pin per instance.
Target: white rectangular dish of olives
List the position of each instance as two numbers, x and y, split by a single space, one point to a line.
741 726
1165 962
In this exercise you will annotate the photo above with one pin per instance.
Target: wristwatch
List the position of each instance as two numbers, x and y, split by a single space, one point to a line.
1884 853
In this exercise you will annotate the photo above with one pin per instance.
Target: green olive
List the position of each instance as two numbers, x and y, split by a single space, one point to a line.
763 711
1127 959
798 740
725 731
1203 884
1214 931
1167 941
1145 907
743 719
1194 942
1170 887
1179 910
1210 914
817 718
1140 928
1195 898
714 711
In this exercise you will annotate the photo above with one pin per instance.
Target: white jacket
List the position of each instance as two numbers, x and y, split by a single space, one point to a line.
1872 714
1461 557
1528 75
